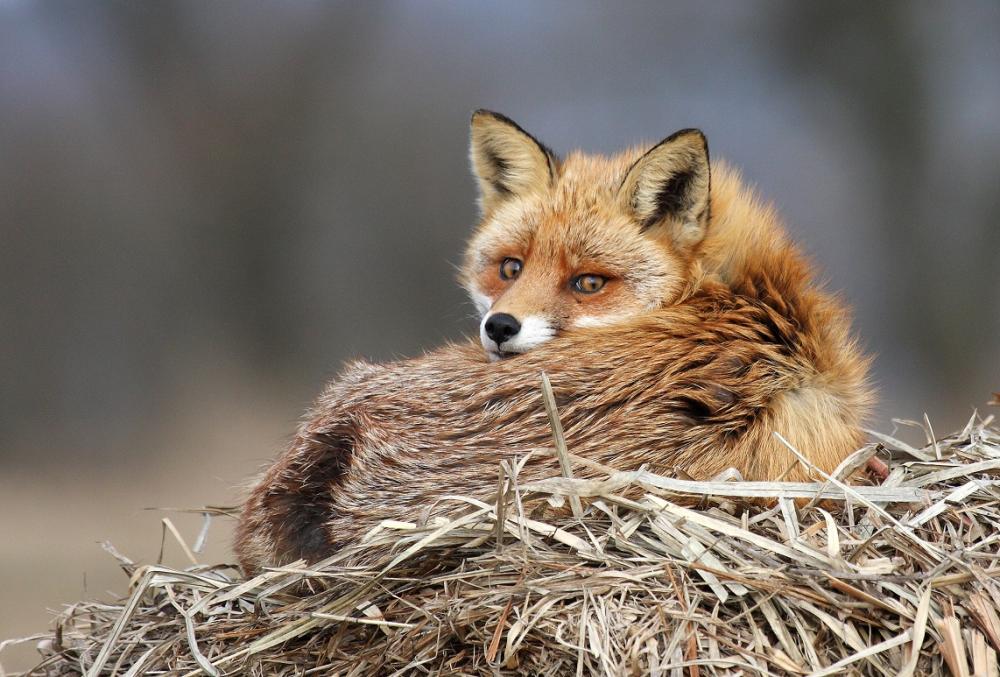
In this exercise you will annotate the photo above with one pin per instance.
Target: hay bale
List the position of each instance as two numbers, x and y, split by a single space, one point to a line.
825 578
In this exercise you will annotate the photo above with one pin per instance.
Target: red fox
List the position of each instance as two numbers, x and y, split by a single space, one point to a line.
679 327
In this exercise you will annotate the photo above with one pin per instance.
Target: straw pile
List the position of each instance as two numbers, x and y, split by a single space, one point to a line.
610 576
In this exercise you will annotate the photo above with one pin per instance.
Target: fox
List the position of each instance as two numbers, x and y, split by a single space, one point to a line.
679 326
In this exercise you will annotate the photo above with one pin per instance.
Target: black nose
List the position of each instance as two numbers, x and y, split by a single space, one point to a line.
501 327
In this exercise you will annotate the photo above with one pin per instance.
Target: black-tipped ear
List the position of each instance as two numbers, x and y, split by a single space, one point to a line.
669 186
506 159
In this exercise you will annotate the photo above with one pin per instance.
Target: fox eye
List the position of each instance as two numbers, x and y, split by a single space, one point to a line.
588 284
510 268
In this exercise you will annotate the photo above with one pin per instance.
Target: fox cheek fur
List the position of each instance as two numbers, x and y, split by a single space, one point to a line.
635 221
709 336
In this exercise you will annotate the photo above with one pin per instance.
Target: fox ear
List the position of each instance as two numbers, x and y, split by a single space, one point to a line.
506 160
669 186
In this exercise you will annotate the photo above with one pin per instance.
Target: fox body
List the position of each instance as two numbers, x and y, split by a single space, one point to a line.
679 328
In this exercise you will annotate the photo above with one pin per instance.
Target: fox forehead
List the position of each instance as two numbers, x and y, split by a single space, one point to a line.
586 179
577 216
583 185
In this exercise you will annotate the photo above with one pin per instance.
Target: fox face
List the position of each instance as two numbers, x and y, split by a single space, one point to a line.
582 241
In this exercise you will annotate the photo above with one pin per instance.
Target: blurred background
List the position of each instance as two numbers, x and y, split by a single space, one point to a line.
206 207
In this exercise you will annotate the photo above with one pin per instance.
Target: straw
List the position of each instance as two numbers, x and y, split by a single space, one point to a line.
861 579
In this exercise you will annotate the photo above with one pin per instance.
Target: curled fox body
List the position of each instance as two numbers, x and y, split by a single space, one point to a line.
679 328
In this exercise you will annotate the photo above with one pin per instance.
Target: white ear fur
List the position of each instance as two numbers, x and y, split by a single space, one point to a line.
506 159
669 186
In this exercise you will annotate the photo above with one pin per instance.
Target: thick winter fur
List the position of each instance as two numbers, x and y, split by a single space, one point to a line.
712 337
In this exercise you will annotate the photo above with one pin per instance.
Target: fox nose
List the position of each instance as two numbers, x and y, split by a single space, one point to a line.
501 327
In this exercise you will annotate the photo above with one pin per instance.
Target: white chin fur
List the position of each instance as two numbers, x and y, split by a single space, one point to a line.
535 330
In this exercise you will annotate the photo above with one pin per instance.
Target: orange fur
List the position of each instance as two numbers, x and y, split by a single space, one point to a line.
726 341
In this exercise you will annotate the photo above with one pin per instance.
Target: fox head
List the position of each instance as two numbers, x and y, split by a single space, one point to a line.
582 241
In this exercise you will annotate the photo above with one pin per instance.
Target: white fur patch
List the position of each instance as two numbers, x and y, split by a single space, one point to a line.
598 321
482 302
535 330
